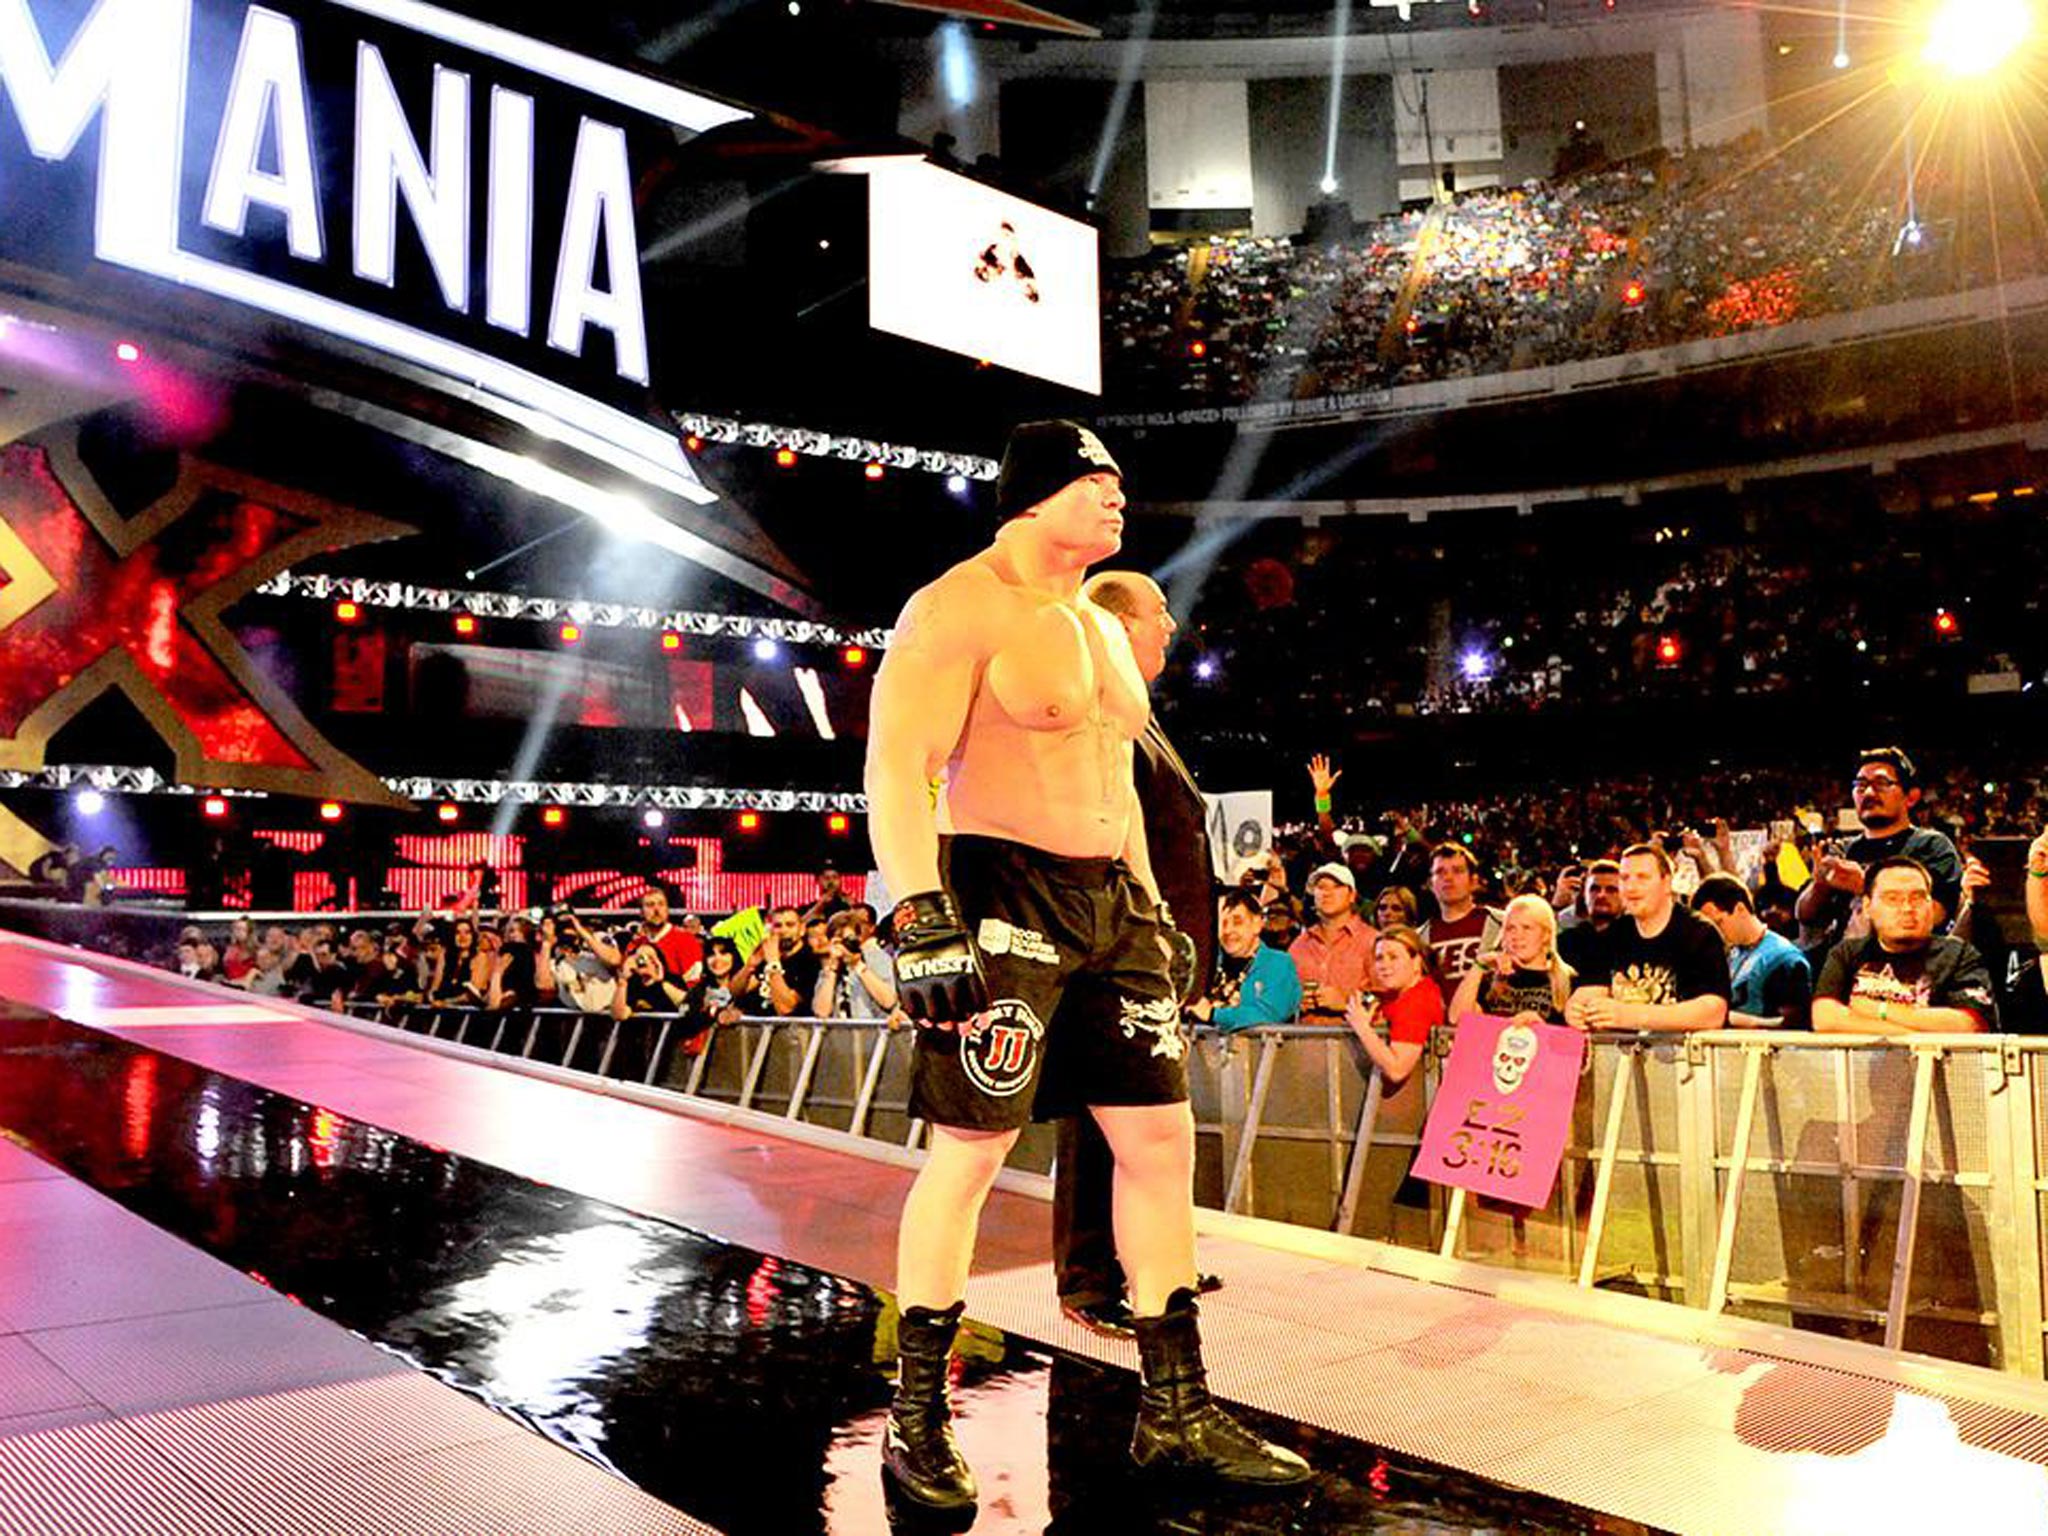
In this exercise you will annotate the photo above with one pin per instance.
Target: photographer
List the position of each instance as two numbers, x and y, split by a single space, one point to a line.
524 975
646 986
857 979
582 980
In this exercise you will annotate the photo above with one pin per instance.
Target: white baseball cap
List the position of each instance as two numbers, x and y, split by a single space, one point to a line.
1341 873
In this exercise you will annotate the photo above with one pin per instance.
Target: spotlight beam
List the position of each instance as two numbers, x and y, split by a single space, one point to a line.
1127 72
1340 29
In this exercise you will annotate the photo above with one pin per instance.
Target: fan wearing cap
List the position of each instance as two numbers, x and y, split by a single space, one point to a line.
1334 953
1030 947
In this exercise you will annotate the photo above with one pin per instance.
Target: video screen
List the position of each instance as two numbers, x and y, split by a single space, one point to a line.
959 265
824 703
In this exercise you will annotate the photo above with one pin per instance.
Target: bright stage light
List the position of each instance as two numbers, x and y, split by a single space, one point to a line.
957 484
213 807
89 802
1968 38
1328 186
330 810
653 820
449 814
1475 665
128 352
766 649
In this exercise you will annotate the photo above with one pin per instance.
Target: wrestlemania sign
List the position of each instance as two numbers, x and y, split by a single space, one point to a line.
449 195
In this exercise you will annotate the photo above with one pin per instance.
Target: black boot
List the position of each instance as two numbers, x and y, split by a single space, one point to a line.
918 1452
1180 1427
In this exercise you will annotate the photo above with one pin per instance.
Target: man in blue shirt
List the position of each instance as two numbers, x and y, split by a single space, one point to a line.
1770 982
1255 983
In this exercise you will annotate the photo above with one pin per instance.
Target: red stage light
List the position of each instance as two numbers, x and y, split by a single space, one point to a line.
693 442
1198 349
1632 292
671 641
214 807
128 352
465 623
330 810
346 612
553 816
838 823
785 458
873 471
571 633
1669 650
750 821
449 814
1945 624
854 656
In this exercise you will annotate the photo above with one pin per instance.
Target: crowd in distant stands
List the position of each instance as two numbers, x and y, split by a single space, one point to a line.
1580 609
1659 250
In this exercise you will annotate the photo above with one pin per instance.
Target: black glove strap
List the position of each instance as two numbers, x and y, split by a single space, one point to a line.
933 915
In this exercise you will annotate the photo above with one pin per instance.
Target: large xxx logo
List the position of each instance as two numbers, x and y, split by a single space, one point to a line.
92 602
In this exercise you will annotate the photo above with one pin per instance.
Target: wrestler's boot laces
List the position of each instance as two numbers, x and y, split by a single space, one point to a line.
1180 1426
919 1451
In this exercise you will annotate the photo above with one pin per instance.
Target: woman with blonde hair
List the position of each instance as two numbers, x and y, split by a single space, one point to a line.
1525 979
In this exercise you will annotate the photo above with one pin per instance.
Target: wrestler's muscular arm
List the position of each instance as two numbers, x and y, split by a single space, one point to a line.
916 713
1136 854
922 695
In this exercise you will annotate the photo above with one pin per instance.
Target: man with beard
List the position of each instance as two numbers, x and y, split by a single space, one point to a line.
1886 789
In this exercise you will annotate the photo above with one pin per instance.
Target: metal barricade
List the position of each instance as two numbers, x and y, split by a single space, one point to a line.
1878 1190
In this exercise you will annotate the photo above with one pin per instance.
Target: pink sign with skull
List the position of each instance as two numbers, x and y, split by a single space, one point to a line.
1503 1109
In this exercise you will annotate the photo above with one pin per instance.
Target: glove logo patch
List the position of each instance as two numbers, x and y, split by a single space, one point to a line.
999 1049
996 937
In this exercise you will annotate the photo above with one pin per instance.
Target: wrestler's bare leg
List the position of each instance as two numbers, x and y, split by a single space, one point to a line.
935 1244
1154 1199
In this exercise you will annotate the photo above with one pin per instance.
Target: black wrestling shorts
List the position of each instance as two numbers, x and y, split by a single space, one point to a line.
1083 1010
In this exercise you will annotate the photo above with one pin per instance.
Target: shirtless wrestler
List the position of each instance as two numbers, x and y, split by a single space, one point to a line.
1031 955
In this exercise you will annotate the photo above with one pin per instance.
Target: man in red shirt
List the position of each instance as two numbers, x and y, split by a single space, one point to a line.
680 951
1334 953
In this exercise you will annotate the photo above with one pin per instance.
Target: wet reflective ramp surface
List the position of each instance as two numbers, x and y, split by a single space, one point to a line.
743 1389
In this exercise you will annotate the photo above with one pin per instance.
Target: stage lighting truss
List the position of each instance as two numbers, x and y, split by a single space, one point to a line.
829 445
550 610
428 791
112 780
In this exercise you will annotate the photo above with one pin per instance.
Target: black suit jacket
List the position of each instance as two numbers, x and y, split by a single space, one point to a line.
1177 840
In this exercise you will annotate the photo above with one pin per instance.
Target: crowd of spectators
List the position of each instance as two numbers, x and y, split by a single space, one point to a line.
823 960
1730 903
1665 248
1369 620
1776 899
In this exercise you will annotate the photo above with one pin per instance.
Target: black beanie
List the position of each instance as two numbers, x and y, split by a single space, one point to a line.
1043 459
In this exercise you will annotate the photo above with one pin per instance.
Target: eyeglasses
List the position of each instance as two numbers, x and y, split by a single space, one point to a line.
1911 900
1877 781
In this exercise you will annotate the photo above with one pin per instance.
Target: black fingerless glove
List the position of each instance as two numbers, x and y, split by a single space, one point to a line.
939 979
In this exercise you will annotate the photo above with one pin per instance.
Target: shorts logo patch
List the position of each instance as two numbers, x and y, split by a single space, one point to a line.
997 937
1159 1019
999 1049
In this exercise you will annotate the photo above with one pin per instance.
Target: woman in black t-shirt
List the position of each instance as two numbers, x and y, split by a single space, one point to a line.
1524 979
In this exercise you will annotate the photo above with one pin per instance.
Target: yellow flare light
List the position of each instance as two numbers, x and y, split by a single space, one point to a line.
1971 38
